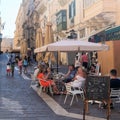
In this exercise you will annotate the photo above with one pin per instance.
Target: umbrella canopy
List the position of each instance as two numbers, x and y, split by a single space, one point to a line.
49 56
39 43
48 34
49 39
72 45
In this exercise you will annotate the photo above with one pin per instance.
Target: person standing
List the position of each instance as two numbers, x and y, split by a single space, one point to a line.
12 68
20 62
25 64
8 69
84 59
77 63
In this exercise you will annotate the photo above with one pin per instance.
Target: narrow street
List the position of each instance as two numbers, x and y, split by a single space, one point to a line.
18 101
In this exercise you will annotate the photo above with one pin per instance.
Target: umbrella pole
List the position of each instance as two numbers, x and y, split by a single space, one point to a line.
57 61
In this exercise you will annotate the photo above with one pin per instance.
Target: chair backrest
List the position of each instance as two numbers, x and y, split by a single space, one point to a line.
115 92
33 77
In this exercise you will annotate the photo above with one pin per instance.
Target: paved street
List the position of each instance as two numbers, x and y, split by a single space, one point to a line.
20 102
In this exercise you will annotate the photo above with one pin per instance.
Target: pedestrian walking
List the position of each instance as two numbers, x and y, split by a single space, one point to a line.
8 69
12 68
25 64
20 64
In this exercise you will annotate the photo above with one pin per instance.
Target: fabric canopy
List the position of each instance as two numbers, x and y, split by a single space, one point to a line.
72 45
39 43
49 39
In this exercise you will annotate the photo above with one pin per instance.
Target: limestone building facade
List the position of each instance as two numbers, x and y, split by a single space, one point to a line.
85 17
78 19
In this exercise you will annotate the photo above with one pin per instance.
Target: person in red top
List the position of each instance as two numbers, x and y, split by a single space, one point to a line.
20 65
84 61
46 79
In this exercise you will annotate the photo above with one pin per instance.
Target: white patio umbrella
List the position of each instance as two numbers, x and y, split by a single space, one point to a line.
72 45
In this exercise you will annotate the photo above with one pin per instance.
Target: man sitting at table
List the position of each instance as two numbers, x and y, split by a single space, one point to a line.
114 81
70 74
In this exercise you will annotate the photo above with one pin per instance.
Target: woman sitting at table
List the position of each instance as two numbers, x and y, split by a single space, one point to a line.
79 78
46 79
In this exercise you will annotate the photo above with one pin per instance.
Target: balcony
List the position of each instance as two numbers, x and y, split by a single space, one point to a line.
103 9
41 7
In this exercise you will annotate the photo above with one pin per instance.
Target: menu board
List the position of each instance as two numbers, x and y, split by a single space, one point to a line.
97 88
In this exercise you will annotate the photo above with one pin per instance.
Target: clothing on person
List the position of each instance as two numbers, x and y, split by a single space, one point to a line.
84 58
70 74
77 62
8 69
20 63
25 62
36 72
69 77
12 68
115 83
78 82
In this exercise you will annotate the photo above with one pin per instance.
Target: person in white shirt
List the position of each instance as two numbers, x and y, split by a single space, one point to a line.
79 79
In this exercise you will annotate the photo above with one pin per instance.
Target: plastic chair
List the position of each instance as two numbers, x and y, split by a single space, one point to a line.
74 92
115 95
34 80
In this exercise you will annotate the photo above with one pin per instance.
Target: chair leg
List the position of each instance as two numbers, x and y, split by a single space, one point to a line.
65 98
51 92
40 89
76 98
82 96
72 100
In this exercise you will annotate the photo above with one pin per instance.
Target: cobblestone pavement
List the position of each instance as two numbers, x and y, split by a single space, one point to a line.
20 102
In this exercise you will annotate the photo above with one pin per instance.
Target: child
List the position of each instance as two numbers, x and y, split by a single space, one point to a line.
12 68
8 69
20 65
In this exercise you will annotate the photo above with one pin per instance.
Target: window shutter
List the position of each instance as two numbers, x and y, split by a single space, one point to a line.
74 7
70 11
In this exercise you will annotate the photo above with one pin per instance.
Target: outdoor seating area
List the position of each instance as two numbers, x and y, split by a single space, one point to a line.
73 82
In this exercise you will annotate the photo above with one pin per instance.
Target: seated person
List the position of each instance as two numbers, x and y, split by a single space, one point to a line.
114 81
79 79
36 71
70 74
46 76
92 70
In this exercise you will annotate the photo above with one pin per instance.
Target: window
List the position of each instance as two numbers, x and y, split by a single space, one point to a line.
72 10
